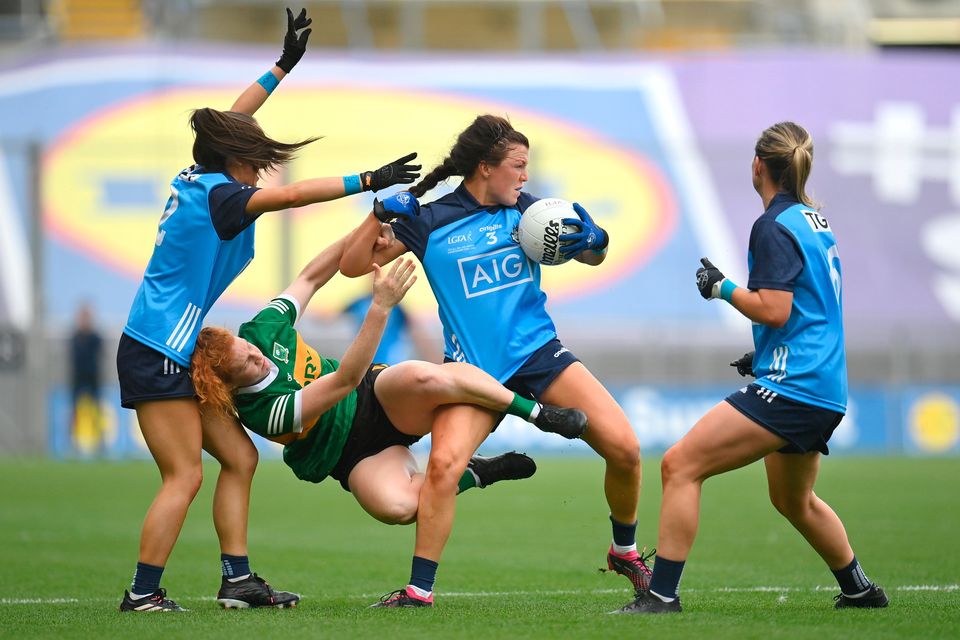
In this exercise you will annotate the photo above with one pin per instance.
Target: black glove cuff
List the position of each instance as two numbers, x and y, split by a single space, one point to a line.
606 240
380 212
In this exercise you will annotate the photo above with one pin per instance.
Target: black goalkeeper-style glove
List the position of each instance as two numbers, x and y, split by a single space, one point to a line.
744 365
397 172
294 45
709 280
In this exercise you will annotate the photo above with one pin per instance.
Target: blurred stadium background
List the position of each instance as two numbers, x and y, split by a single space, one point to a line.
646 111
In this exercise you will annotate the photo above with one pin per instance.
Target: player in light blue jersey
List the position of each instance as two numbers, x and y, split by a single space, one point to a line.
205 239
794 298
494 316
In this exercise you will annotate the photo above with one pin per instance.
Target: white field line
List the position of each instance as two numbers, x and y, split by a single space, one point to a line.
541 592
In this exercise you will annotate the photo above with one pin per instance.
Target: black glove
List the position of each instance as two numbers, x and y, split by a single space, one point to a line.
744 365
397 172
709 280
294 45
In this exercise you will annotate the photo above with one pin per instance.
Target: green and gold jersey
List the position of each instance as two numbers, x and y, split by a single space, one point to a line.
272 407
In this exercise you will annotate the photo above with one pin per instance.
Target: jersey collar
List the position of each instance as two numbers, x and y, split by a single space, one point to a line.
470 204
263 384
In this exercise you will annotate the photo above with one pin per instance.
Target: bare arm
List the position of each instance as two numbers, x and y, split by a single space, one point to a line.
771 307
389 287
592 258
362 250
255 95
294 46
294 195
317 273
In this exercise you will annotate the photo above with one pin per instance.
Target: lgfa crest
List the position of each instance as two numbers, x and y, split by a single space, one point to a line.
281 353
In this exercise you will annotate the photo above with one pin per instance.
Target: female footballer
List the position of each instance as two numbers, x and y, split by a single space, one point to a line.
786 417
353 420
205 239
500 325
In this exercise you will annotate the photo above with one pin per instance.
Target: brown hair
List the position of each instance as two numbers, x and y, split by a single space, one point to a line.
221 136
787 150
487 139
207 370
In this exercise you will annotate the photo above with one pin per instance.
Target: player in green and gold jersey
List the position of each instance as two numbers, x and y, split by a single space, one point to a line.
354 420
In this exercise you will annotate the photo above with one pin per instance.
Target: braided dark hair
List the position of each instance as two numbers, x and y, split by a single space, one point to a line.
487 139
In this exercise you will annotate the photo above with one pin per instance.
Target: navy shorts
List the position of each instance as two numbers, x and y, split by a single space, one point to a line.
805 427
541 369
147 374
371 431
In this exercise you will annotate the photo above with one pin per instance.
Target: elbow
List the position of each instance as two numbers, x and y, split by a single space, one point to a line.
350 269
775 319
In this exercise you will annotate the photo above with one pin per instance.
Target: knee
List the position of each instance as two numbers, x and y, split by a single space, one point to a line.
184 482
429 378
624 456
792 507
401 511
243 460
671 467
443 470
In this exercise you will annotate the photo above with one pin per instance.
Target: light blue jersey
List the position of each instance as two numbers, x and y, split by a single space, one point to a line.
491 305
792 248
204 241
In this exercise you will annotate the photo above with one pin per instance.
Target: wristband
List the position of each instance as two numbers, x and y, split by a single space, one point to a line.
268 81
351 185
726 289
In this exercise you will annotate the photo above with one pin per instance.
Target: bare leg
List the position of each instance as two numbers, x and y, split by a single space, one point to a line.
387 485
225 440
457 432
171 429
722 440
410 392
609 433
790 479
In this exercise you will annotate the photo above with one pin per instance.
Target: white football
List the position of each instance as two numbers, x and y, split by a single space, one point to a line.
541 226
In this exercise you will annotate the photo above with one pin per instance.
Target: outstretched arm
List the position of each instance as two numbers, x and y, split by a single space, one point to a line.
316 274
294 46
389 287
314 190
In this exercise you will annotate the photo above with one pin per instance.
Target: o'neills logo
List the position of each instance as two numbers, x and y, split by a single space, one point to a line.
551 241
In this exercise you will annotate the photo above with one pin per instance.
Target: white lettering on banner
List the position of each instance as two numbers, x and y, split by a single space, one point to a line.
939 239
494 271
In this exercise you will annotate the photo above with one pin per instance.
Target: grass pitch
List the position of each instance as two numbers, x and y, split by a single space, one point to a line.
522 562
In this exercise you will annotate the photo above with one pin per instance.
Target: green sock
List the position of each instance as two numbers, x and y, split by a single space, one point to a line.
468 480
522 407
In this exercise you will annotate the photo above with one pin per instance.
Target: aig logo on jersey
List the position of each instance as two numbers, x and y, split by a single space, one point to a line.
816 221
493 271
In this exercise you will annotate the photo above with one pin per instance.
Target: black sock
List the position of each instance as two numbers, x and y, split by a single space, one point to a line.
852 579
423 572
234 566
146 580
666 577
624 535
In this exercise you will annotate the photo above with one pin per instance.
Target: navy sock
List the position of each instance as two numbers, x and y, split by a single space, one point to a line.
146 580
852 579
234 566
666 577
423 573
624 535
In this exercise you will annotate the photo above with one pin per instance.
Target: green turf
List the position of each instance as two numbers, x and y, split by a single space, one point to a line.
522 563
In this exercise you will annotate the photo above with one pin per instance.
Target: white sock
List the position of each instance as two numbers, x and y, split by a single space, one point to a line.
622 551
534 413
238 579
420 592
661 598
139 596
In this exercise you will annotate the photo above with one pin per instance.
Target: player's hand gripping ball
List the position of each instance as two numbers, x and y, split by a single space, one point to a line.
541 226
